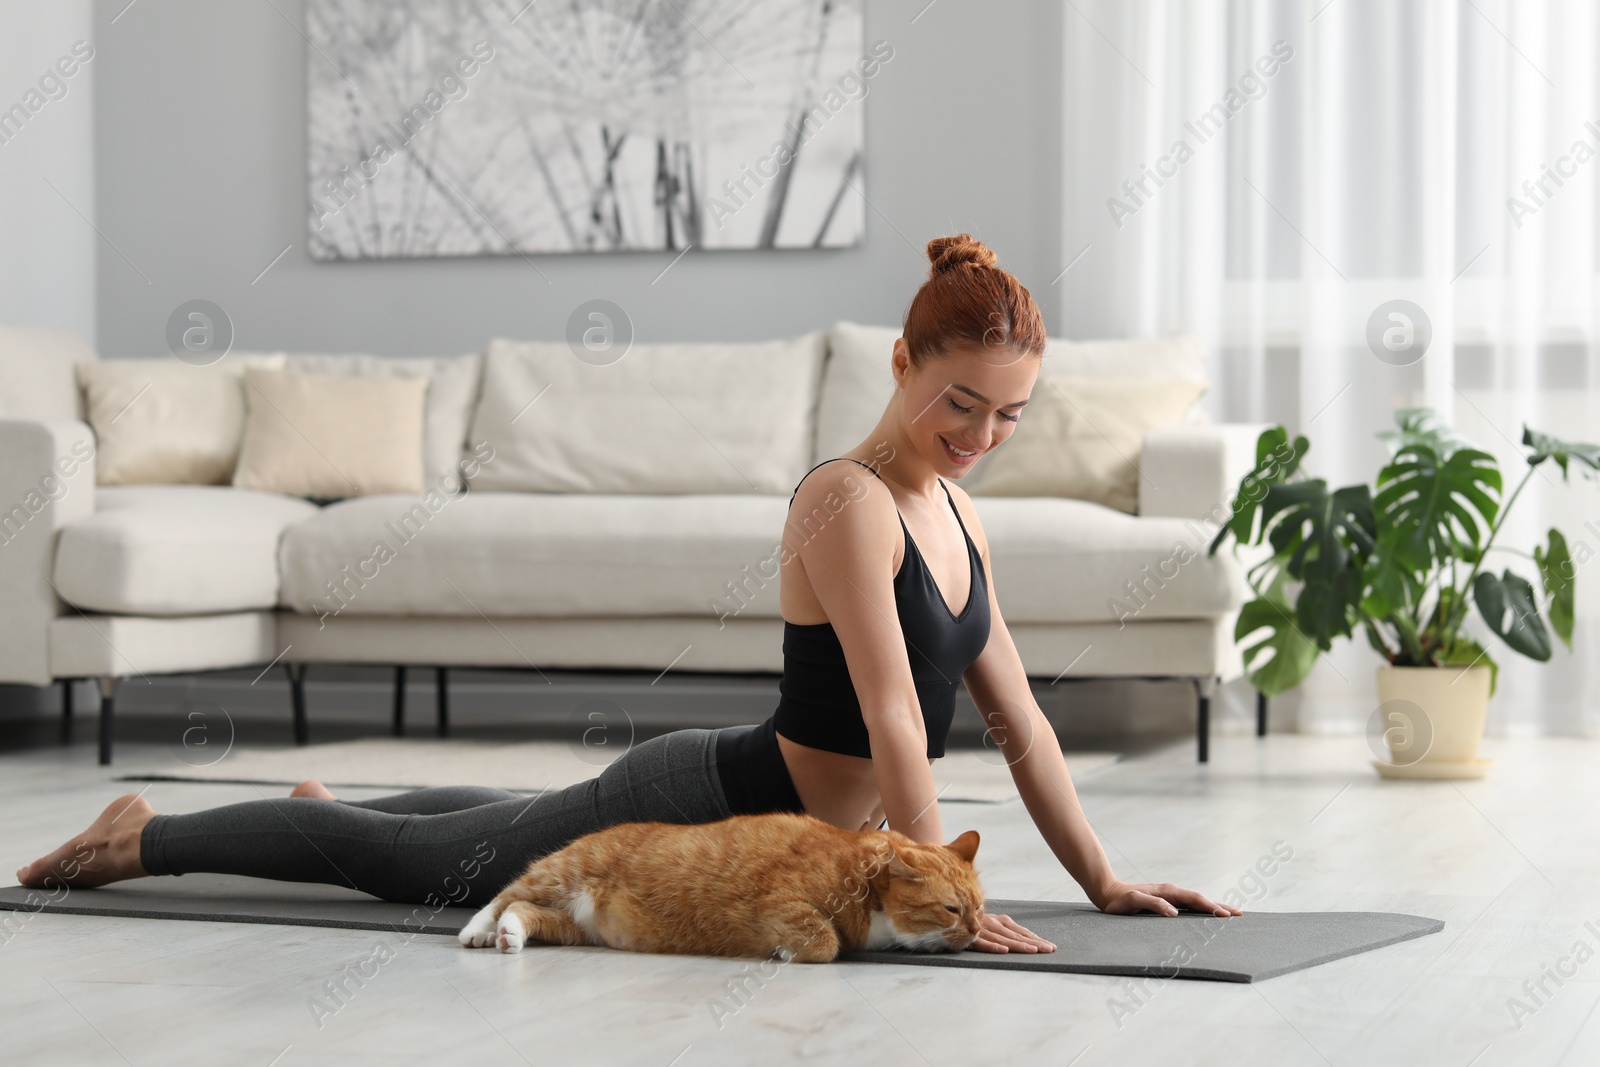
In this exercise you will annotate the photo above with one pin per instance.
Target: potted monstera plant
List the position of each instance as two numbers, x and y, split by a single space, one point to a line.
1404 562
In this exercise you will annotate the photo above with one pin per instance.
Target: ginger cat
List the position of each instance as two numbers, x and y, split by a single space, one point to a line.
781 883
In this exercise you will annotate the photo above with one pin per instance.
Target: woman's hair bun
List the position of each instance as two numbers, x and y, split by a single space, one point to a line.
981 306
947 253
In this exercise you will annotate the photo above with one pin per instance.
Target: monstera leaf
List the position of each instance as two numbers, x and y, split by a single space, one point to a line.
1391 586
1434 506
1422 426
1281 659
1507 606
1275 569
1546 447
1556 575
1276 460
1335 535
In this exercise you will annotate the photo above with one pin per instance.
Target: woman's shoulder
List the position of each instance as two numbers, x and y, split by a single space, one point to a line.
846 496
838 479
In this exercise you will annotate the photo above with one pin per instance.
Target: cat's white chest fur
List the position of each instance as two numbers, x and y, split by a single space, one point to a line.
882 934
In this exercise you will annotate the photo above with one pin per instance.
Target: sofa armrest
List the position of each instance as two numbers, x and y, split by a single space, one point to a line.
46 481
1193 472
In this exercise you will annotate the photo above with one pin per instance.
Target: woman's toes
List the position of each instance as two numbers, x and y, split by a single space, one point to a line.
66 864
312 789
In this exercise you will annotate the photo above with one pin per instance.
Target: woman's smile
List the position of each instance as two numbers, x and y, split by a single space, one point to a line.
959 456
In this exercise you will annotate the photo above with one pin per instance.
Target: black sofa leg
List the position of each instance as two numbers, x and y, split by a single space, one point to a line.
399 701
108 707
66 711
441 682
297 702
1261 714
1203 688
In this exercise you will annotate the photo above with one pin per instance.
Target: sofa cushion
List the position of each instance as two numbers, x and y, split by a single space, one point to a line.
529 554
331 436
447 411
175 550
166 422
857 383
663 419
1081 438
1178 358
1057 560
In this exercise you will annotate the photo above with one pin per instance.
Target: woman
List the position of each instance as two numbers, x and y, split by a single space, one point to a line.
872 654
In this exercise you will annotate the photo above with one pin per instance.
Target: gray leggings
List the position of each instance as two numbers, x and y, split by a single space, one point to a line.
453 844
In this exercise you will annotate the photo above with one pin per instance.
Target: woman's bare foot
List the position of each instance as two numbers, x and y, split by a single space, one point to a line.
108 851
313 789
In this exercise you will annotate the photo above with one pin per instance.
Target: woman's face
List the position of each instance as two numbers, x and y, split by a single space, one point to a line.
962 405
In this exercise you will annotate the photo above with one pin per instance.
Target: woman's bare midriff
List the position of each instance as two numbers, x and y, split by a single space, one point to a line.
834 787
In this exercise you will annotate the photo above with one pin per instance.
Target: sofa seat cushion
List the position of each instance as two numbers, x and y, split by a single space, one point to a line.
175 550
537 554
1057 560
510 555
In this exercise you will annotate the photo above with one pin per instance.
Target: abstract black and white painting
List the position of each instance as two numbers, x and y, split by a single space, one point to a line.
484 127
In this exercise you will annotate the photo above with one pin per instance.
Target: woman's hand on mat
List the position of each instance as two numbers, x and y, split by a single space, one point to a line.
1125 898
1000 933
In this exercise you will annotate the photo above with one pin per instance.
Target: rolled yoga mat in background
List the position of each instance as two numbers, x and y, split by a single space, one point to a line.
1243 948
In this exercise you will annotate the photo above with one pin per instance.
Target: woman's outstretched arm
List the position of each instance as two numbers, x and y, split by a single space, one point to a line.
998 685
849 562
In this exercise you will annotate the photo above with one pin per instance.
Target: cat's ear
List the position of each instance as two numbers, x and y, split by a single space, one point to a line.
899 868
965 846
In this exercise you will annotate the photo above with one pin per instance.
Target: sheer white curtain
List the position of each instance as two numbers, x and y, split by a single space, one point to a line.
1369 151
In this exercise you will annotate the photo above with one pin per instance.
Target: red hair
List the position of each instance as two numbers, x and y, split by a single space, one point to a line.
967 301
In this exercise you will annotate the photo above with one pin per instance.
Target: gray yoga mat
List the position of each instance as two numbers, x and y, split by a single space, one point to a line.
1244 948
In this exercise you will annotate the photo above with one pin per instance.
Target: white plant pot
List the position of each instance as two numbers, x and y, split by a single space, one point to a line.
1433 720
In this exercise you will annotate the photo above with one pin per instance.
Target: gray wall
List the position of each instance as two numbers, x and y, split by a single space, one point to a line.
200 161
47 238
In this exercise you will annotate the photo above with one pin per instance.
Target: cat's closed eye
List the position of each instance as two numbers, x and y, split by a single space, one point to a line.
952 907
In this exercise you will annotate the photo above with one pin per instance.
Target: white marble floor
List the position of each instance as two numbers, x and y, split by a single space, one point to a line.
1510 863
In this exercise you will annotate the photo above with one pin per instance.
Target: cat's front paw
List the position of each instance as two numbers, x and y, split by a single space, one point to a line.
480 931
512 935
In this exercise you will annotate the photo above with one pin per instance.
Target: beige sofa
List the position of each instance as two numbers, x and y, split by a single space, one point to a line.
619 527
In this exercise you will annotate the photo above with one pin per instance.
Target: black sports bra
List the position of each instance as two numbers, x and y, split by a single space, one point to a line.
818 705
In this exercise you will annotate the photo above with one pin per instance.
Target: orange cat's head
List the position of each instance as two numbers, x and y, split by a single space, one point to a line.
930 893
